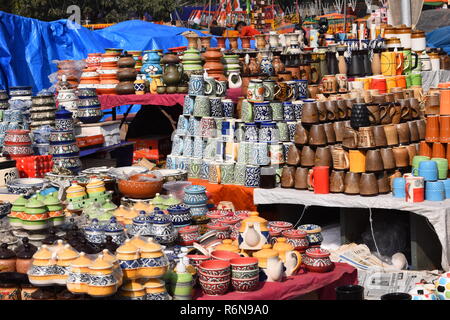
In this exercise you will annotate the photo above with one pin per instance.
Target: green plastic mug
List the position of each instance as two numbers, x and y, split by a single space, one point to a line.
442 165
415 163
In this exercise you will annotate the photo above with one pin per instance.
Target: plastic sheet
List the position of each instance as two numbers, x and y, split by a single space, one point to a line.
439 38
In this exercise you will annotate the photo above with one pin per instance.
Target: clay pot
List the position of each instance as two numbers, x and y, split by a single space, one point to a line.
404 135
380 136
425 149
384 185
337 181
288 177
307 156
140 189
432 129
329 131
246 42
323 157
293 156
401 157
213 63
7 259
301 178
317 135
374 161
352 183
221 42
368 184
388 158
301 134
127 74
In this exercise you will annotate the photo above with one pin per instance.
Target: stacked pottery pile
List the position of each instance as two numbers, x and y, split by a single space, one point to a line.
195 199
108 72
14 118
137 56
126 74
42 111
90 78
20 102
63 146
17 143
68 99
71 71
356 156
151 64
89 109
191 60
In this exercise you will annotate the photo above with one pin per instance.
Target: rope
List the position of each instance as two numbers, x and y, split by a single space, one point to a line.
301 217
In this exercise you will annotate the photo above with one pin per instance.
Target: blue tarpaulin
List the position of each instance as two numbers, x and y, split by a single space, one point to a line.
28 46
439 38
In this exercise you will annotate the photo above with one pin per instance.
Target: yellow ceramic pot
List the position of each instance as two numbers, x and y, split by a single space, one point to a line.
154 263
42 258
265 253
102 270
128 256
79 269
64 258
133 290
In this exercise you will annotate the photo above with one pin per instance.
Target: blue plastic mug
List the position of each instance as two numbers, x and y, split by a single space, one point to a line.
398 188
434 191
447 188
427 169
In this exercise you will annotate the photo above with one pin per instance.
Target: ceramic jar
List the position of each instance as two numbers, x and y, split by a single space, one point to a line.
180 214
314 234
64 258
42 269
195 195
162 228
151 63
24 256
7 259
102 282
318 260
115 230
153 262
155 290
35 216
297 238
128 257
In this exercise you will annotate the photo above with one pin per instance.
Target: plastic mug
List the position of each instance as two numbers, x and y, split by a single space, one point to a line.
414 189
398 188
416 161
427 169
319 179
434 191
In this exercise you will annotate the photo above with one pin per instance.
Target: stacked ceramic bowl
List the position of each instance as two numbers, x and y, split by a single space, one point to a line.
214 277
69 100
89 110
244 274
41 138
20 93
64 149
42 111
17 143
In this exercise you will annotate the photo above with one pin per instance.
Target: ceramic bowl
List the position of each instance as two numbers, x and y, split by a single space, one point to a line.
136 189
20 91
215 268
89 102
161 89
66 95
245 285
67 149
214 288
171 90
17 137
224 255
197 259
208 278
61 137
25 185
18 150
43 100
67 162
42 116
182 89
87 93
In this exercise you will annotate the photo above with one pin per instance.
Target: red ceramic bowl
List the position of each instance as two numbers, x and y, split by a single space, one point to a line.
281 225
140 189
245 285
207 278
196 259
214 289
215 267
224 255
244 264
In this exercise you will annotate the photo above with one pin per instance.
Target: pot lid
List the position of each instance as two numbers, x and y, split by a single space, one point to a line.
294 233
113 226
317 253
43 253
52 200
34 203
310 228
74 188
141 218
171 200
81 261
94 226
136 241
95 183
109 205
161 218
20 202
217 214
127 247
132 286
254 218
282 245
108 256
6 253
26 250
150 246
227 245
266 252
273 231
158 199
178 207
217 226
66 252
100 263
195 189
154 283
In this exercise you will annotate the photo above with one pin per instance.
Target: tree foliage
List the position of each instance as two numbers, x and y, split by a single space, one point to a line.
98 11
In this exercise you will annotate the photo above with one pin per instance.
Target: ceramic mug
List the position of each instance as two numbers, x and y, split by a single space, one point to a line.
351 183
388 158
255 91
414 189
252 176
262 111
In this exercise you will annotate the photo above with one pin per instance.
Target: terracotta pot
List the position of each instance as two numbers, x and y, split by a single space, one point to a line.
213 63
246 42
438 150
425 149
136 189
432 129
